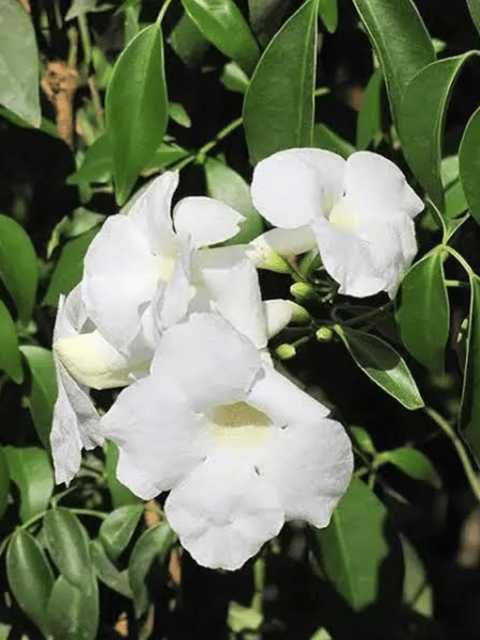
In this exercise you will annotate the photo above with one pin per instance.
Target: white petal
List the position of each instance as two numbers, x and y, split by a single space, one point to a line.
379 183
206 220
309 461
119 276
95 363
178 292
279 314
224 512
293 187
285 242
348 259
71 315
160 439
150 212
230 282
212 362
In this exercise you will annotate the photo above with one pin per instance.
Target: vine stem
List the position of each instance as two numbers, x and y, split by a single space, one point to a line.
163 11
461 451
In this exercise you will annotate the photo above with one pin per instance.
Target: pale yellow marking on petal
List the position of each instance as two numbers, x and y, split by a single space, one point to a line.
238 425
343 216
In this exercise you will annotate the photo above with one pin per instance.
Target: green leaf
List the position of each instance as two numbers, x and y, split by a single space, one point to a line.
18 266
421 118
107 572
328 11
363 439
369 120
119 493
73 612
43 390
68 544
417 592
474 8
266 16
455 200
131 26
414 463
188 42
233 78
30 577
226 185
178 114
81 7
154 544
4 483
31 471
278 110
10 360
469 164
136 108
383 365
117 529
69 268
97 163
470 407
401 41
325 138
19 81
165 155
424 313
223 24
355 549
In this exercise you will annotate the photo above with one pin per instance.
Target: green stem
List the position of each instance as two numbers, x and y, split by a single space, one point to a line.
85 36
461 451
456 283
163 11
259 584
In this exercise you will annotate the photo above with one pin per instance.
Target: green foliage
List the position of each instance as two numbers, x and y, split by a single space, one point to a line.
412 462
73 612
107 572
469 164
19 90
278 107
10 360
118 528
136 108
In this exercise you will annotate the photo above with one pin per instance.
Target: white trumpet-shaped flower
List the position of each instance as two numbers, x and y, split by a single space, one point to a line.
358 212
240 448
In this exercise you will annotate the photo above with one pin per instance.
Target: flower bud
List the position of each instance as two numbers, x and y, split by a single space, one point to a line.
302 291
324 334
285 351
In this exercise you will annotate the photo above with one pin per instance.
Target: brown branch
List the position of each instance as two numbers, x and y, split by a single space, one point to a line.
59 84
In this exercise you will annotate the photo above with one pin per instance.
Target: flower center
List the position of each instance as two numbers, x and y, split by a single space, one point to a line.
238 425
165 267
343 216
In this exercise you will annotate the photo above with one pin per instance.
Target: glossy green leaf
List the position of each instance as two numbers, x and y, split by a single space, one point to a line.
164 156
119 493
73 612
42 393
328 11
178 114
117 529
188 42
68 544
414 463
470 408
131 24
19 72
325 138
223 24
4 483
31 471
10 360
226 185
153 545
278 110
363 439
383 365
107 572
30 577
424 313
455 200
97 163
354 548
420 121
136 108
474 8
401 41
369 120
469 164
69 268
18 266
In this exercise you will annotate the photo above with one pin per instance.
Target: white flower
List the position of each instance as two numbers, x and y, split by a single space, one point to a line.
358 212
241 448
75 419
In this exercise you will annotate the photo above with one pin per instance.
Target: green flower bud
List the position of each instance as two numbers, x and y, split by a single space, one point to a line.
324 334
285 351
302 291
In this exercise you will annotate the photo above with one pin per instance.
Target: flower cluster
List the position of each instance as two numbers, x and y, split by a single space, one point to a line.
179 321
